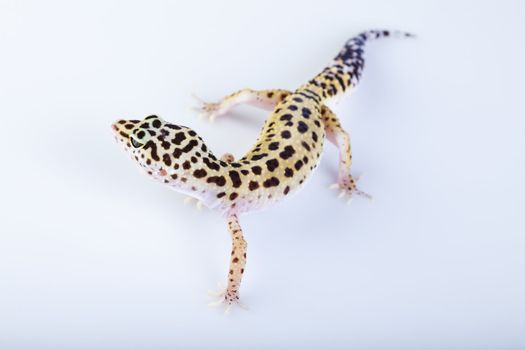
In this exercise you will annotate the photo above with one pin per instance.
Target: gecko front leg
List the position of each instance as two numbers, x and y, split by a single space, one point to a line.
237 263
340 138
264 99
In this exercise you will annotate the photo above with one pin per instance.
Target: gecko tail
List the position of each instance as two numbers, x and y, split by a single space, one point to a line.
346 69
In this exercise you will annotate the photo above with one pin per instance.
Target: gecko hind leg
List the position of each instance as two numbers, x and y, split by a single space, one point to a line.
340 138
265 99
230 296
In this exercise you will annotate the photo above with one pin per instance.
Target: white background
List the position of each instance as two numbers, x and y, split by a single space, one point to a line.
94 255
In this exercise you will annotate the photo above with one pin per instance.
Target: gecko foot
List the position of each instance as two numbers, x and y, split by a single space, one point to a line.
207 110
348 187
228 157
226 299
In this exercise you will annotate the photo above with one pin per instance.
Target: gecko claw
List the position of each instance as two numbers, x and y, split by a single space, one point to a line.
227 310
215 303
199 205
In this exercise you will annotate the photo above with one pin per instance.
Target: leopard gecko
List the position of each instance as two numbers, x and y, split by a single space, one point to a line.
283 157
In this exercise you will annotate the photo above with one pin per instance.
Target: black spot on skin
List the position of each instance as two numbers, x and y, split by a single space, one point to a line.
288 172
292 107
192 133
167 159
286 117
286 190
190 146
123 134
220 195
218 180
270 94
141 134
236 165
244 172
298 99
234 195
302 127
129 126
253 185
173 126
306 112
199 173
210 164
341 82
305 145
156 123
298 165
204 148
151 145
287 153
259 156
257 170
314 136
174 176
272 164
271 182
186 165
153 116
317 123
273 146
145 126
166 145
179 137
193 159
236 179
286 134
177 153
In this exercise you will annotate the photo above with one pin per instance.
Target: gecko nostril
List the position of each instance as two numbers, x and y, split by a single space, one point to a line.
114 127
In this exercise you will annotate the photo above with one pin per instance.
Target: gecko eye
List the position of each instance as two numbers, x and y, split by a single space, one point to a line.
135 143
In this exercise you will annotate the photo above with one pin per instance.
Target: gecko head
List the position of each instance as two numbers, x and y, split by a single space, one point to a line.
164 150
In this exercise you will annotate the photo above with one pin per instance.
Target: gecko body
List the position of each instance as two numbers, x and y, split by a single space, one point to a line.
278 164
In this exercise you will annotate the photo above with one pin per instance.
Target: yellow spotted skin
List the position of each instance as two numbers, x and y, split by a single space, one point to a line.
281 160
